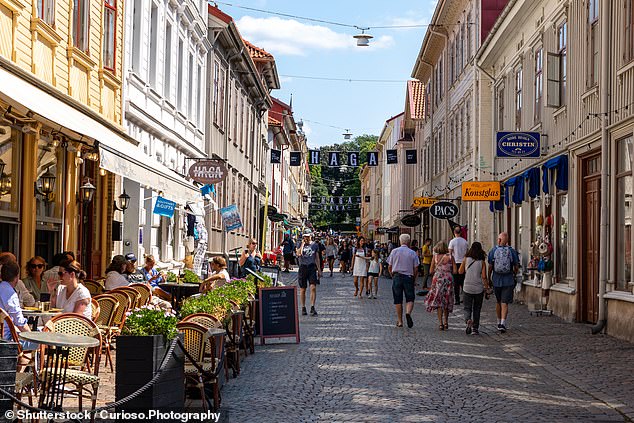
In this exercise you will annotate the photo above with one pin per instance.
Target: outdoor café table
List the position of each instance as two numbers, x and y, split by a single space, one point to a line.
36 314
179 290
59 344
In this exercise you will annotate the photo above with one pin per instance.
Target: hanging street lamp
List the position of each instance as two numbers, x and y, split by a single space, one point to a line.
363 39
86 192
347 135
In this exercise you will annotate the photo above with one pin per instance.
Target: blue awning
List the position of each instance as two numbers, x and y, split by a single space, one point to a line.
517 182
560 165
532 176
496 205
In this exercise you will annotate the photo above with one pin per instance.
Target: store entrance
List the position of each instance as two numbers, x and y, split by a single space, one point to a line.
588 302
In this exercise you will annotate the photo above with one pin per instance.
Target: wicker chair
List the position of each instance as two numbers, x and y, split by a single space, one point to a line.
233 342
25 383
144 291
200 370
249 326
203 319
94 287
109 305
79 371
134 297
95 309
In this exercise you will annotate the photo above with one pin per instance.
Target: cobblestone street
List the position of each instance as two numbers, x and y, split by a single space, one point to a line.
354 365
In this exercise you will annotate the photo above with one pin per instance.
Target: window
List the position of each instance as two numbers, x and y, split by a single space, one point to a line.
109 34
167 71
593 63
500 114
81 24
468 29
199 104
190 86
557 70
46 11
452 63
562 236
179 77
438 83
153 59
518 98
539 83
628 18
428 99
137 35
624 214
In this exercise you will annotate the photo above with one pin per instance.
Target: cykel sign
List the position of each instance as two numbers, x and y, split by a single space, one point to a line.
444 210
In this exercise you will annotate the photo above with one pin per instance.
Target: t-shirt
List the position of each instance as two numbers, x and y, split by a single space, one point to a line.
114 280
288 246
427 255
68 304
459 245
10 303
403 260
503 279
374 266
309 254
473 276
331 250
136 277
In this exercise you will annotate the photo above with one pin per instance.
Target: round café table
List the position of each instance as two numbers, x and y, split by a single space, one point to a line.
58 347
179 290
37 314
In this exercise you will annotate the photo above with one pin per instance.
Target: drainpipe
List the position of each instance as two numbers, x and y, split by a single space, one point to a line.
605 163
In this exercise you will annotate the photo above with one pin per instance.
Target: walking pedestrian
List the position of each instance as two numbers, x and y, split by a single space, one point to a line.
375 269
458 247
344 257
440 297
403 266
331 252
427 256
288 246
360 268
309 268
475 282
504 263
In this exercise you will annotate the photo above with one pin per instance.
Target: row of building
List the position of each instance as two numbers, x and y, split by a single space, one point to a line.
105 105
564 69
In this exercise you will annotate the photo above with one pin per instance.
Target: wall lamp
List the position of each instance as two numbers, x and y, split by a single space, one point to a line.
45 186
124 202
87 192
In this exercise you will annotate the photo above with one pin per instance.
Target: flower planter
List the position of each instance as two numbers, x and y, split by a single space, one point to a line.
8 367
138 359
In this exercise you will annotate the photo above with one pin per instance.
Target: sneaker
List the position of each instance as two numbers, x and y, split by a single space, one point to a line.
469 327
304 311
499 326
475 332
313 312
502 328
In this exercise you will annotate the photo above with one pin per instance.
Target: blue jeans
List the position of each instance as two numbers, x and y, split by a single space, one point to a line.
403 284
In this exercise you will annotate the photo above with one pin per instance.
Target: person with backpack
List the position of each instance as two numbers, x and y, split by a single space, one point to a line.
504 263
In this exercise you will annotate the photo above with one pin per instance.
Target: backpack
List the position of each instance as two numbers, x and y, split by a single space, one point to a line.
502 260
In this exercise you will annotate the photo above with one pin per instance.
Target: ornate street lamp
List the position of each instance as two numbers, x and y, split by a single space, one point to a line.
45 185
5 184
86 192
124 202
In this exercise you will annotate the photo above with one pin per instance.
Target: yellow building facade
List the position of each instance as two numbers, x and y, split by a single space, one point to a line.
60 101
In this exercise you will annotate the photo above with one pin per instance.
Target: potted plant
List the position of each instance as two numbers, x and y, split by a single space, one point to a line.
211 303
145 341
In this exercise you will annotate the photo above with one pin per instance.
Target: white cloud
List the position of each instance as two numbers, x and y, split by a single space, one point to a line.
307 130
291 37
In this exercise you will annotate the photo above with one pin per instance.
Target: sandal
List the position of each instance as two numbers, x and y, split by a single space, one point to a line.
441 327
399 325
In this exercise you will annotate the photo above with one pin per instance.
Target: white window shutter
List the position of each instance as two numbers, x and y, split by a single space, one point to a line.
553 83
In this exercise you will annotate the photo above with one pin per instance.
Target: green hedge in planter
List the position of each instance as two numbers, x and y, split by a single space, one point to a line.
151 320
217 302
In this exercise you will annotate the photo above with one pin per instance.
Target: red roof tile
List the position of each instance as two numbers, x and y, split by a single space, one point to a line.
274 122
416 99
257 52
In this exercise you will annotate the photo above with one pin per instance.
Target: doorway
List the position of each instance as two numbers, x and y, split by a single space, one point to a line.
588 302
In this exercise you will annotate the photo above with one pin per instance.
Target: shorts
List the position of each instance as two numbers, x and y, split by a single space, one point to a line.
504 294
288 257
373 275
330 257
307 275
402 284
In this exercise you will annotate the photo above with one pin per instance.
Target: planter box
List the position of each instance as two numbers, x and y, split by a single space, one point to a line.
138 359
8 368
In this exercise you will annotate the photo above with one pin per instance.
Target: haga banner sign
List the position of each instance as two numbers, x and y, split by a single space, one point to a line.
314 157
164 207
373 158
231 218
296 158
276 156
410 157
208 172
518 144
443 210
481 191
392 156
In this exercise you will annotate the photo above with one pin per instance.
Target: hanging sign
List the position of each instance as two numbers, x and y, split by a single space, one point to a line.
392 156
353 159
411 220
231 218
305 199
367 198
410 157
443 210
296 158
381 231
423 202
373 158
518 144
208 172
276 156
314 157
481 191
333 159
164 207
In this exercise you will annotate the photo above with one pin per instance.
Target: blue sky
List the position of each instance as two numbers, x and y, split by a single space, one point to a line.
303 48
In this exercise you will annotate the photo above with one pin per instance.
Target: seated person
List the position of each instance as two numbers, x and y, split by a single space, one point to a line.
219 275
154 278
10 303
133 273
115 276
72 297
250 259
35 269
25 297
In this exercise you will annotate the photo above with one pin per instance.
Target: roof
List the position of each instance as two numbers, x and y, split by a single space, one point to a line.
416 99
219 14
257 52
274 122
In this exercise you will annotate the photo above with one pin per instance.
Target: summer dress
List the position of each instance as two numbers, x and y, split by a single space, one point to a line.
441 292
360 264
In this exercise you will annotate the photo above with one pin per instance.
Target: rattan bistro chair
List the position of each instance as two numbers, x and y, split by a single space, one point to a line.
144 291
79 372
94 287
108 304
25 383
201 370
233 342
134 297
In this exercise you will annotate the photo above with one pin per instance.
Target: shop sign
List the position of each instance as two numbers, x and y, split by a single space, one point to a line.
164 207
444 210
381 231
208 172
231 218
423 202
411 220
393 230
481 191
518 144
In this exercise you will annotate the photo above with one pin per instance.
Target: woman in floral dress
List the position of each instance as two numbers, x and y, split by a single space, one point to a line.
440 297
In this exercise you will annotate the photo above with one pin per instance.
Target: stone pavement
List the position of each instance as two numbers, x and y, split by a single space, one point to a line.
354 365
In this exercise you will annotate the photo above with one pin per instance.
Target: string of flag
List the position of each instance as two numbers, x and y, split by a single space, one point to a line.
353 158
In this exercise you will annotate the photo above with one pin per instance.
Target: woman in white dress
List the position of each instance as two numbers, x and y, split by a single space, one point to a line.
360 267
72 297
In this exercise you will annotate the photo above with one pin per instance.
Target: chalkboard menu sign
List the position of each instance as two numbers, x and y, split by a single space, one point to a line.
278 313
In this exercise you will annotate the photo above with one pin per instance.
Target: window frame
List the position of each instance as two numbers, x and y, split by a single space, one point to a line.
500 107
81 19
562 51
519 95
45 11
593 45
110 7
622 285
628 28
538 84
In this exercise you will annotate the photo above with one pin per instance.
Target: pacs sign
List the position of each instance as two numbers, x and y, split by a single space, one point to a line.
231 218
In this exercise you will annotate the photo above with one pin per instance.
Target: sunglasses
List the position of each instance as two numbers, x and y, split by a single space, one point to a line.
61 272
39 266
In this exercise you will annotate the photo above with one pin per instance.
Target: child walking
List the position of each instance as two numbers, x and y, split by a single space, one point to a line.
375 269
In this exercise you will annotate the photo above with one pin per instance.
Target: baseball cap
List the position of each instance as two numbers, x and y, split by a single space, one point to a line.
308 232
130 257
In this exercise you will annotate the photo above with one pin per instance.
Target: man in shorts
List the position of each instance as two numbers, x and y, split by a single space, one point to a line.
504 263
308 256
403 266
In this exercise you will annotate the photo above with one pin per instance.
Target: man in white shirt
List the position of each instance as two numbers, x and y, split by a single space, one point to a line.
403 266
458 247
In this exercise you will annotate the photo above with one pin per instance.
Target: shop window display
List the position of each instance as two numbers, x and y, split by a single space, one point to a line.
624 215
562 236
10 140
